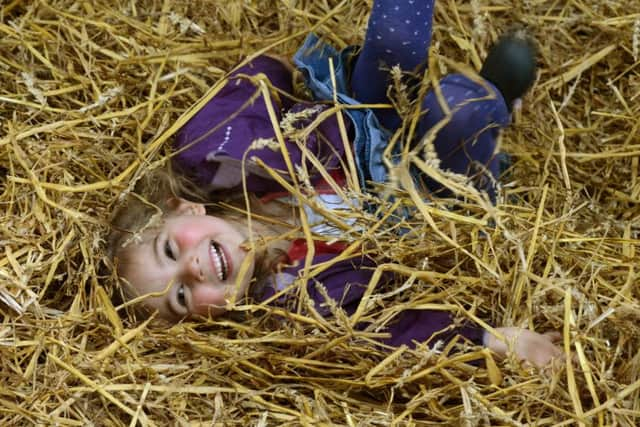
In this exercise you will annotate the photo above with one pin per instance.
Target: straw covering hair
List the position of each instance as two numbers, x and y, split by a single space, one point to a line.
92 92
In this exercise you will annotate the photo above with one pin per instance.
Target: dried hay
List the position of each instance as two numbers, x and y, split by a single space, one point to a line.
92 90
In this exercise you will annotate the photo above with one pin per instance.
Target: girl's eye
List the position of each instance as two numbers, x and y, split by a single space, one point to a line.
181 299
168 251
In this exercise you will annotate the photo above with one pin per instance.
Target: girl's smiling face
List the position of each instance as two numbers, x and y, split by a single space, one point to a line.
189 265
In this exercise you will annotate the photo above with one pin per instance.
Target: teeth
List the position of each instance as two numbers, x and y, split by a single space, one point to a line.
220 261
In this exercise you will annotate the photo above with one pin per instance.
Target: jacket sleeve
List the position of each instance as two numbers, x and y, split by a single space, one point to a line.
412 326
345 283
226 134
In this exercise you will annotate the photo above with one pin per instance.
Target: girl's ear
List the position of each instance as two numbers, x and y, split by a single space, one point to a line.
178 205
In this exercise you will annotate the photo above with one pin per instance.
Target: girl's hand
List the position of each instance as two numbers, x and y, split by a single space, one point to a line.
538 349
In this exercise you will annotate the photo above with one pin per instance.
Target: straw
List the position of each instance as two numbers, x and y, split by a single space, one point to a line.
92 93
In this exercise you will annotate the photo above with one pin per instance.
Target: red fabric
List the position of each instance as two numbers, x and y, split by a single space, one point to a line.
323 187
299 249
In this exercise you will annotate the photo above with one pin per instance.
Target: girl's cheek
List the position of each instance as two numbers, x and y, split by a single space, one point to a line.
187 235
206 299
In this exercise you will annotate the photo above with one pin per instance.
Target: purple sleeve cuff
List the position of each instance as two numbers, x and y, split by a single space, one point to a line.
430 326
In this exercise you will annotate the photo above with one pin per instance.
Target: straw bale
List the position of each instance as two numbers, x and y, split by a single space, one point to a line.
90 93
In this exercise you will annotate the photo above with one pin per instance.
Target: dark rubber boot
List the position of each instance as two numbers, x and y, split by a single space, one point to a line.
511 65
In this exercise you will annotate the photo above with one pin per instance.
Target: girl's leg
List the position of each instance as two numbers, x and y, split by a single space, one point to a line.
399 33
466 142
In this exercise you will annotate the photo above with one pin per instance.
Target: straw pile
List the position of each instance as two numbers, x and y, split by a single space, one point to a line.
89 92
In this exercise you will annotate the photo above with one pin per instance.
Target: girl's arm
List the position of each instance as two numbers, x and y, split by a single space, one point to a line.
216 148
422 325
346 281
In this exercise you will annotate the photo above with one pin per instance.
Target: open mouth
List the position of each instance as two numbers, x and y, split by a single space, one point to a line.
220 261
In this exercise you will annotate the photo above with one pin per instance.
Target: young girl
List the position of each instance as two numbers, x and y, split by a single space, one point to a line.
197 263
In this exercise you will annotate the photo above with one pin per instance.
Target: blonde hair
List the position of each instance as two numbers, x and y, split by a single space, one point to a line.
137 209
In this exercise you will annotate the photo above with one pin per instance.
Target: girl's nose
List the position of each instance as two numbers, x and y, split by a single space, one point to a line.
193 269
207 299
